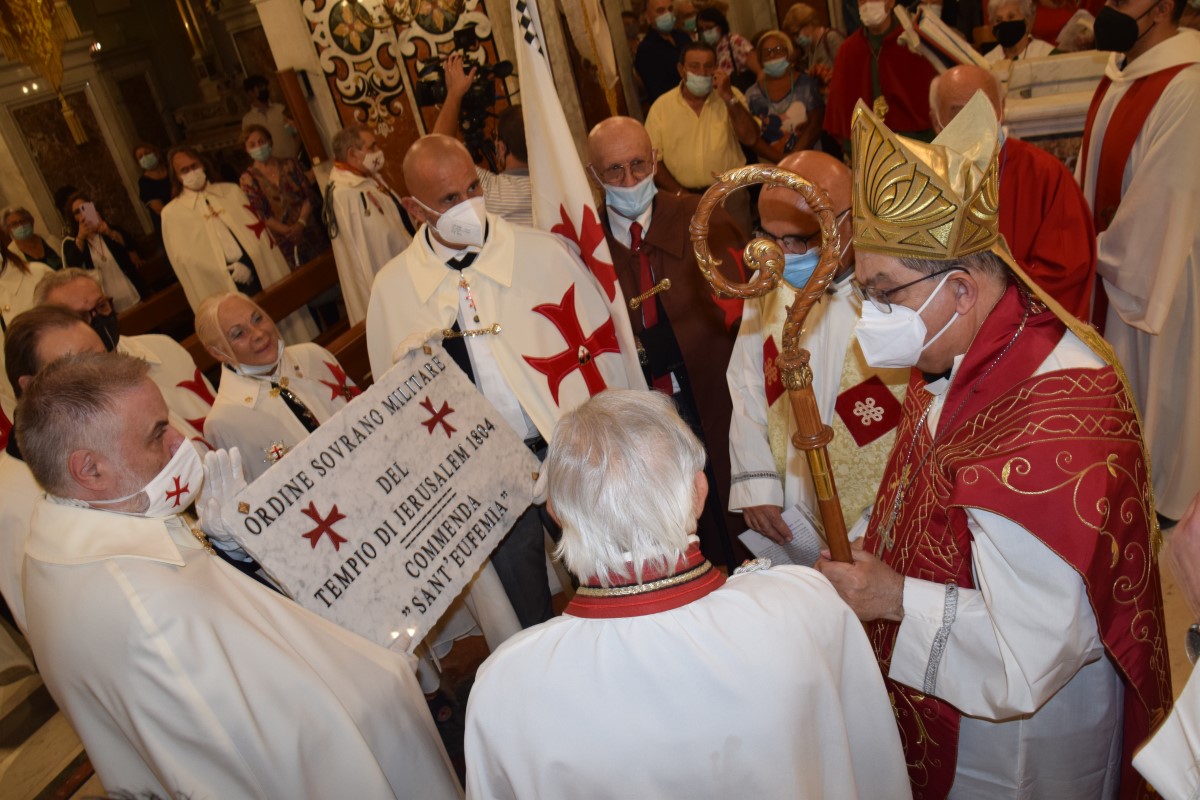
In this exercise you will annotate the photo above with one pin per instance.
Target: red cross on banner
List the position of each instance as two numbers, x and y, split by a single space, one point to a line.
589 236
340 386
581 350
324 526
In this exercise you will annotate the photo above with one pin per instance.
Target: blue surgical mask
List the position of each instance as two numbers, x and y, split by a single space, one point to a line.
148 161
689 25
631 201
22 231
664 22
799 267
775 67
698 85
261 153
803 40
711 36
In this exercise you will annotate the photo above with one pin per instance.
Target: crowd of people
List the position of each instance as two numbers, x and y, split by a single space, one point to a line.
1004 354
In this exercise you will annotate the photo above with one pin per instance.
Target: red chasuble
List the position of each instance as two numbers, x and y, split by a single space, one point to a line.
1046 221
1071 440
904 79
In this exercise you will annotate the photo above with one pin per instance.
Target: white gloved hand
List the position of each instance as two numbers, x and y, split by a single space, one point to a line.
240 273
223 479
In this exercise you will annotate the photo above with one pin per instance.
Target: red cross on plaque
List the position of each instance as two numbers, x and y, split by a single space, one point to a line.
439 417
324 526
179 491
340 386
581 351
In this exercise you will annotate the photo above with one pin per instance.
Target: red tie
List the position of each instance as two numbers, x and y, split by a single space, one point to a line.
645 278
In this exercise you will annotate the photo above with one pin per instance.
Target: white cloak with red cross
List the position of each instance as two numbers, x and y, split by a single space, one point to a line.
557 344
190 236
188 394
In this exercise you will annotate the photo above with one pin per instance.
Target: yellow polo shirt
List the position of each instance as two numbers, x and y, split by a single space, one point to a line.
694 147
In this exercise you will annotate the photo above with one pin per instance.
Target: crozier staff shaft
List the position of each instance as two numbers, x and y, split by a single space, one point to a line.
766 257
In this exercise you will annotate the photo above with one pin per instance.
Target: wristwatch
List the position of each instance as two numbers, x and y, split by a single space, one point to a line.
1191 644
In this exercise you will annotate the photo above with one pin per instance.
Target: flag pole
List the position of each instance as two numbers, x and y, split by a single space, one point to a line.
766 257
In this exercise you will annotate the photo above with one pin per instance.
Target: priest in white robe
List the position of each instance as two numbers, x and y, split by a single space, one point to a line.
1140 171
860 402
182 676
662 678
362 216
210 233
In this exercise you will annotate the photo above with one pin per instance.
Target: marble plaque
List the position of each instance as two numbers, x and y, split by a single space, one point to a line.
379 519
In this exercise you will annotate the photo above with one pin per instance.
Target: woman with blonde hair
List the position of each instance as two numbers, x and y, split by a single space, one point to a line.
270 396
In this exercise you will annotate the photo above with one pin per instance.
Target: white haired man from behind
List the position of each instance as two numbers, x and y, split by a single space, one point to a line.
657 679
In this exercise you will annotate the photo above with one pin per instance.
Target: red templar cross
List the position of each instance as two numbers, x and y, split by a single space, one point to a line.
589 238
179 491
324 526
438 417
197 387
581 351
260 227
340 386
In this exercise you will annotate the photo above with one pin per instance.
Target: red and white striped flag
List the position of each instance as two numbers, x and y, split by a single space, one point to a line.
562 201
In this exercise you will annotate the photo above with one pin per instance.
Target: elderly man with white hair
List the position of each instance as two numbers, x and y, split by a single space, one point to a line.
663 678
1012 25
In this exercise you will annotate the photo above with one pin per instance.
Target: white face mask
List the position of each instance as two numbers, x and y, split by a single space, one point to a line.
194 180
462 224
259 370
872 13
173 489
373 162
896 340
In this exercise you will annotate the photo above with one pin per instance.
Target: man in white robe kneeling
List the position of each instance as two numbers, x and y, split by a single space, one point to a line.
662 678
182 676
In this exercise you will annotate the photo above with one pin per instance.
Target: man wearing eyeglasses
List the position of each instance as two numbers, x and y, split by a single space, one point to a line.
685 333
860 402
1009 573
188 393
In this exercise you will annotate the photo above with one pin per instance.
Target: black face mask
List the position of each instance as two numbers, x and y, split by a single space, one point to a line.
264 95
105 326
1010 32
1117 31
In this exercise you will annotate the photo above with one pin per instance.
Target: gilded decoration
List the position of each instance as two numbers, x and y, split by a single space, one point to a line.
372 65
904 207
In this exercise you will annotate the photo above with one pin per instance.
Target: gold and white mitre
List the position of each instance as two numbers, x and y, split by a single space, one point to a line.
938 200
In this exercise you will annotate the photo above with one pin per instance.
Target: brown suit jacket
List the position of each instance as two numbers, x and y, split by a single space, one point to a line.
704 328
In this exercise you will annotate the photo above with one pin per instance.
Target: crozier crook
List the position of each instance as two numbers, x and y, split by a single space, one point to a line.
766 257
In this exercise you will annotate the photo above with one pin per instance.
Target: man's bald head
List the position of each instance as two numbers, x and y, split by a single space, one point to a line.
778 204
618 141
425 160
952 90
789 219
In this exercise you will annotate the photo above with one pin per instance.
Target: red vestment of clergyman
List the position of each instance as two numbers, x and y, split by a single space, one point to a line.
1059 454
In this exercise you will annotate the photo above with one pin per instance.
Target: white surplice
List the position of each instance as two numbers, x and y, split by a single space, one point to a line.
181 675
1170 760
1149 259
196 228
764 688
1023 662
18 492
370 233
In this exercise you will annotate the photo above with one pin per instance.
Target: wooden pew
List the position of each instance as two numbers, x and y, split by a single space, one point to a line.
294 292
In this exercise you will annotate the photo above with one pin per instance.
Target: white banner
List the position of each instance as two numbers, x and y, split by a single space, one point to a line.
380 518
562 200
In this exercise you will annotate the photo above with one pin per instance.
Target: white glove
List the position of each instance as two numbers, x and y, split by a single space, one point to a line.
223 479
240 272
